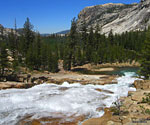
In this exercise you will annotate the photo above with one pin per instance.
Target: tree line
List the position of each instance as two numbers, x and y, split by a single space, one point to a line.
26 49
90 46
31 50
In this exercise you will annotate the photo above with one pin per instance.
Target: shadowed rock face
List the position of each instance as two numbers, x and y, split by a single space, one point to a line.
118 17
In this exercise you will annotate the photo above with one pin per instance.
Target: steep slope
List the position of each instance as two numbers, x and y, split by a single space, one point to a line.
118 17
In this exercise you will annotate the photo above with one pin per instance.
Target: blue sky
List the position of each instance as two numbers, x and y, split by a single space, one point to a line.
47 16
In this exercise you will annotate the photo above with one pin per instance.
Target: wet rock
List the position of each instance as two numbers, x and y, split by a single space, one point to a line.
99 121
100 109
63 88
4 86
100 90
107 91
52 121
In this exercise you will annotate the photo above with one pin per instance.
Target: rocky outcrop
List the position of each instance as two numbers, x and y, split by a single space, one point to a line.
28 80
142 84
18 85
116 17
5 31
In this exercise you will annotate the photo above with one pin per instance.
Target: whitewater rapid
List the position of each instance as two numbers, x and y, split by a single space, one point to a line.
51 100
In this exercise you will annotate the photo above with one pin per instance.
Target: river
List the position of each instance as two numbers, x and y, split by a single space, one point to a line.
65 102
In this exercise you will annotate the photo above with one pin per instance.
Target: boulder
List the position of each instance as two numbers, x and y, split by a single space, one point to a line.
138 96
39 80
142 84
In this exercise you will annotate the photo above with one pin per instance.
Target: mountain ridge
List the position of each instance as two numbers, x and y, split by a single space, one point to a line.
63 32
116 17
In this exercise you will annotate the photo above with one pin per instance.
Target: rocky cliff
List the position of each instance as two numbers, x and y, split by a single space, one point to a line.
118 17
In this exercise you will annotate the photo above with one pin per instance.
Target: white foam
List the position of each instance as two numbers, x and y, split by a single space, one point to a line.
67 99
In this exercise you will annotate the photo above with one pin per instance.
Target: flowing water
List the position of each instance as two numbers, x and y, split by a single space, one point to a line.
62 101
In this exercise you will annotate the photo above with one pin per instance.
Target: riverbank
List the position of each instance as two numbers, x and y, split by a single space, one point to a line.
86 74
60 78
63 103
98 92
135 108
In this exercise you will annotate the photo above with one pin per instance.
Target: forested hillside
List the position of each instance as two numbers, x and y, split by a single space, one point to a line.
94 47
34 52
27 49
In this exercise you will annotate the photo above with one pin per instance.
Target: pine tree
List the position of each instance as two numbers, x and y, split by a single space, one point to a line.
50 60
111 37
16 38
37 51
11 42
71 46
90 45
28 44
55 63
53 60
97 37
28 34
3 59
44 56
67 59
145 62
78 55
30 58
1 33
16 44
84 34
